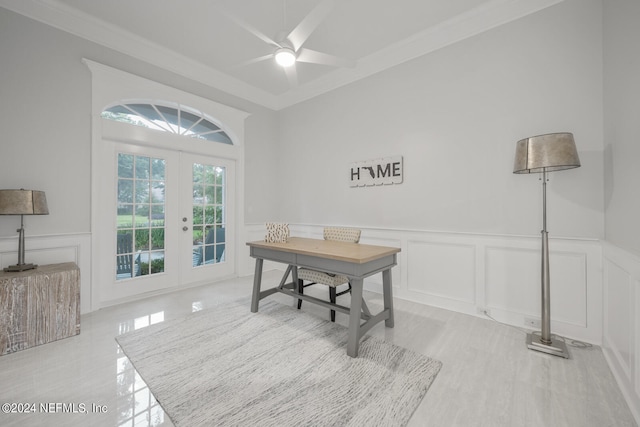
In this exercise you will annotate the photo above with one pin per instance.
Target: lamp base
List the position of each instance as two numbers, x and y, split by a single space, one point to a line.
21 267
557 347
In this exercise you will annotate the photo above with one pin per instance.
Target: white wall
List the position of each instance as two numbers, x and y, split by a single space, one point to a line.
46 122
621 321
621 280
468 228
45 117
455 116
262 194
622 123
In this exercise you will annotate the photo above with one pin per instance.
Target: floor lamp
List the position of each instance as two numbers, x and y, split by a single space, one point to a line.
542 154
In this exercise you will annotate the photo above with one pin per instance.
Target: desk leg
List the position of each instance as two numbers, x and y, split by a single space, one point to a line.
294 279
257 280
388 296
354 317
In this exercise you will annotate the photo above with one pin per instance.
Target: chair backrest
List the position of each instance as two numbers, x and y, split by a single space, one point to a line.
342 234
196 257
214 252
125 255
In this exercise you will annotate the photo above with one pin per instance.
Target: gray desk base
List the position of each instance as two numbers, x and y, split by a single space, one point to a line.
356 274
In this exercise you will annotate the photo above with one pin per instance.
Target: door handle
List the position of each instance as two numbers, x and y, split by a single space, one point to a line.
185 228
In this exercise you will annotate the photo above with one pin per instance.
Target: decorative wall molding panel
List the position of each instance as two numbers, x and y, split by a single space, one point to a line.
468 273
55 249
621 331
513 283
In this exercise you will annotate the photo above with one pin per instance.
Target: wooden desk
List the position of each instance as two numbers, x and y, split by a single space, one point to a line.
354 260
39 306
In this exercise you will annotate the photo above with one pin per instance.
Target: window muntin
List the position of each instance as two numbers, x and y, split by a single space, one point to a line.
178 120
209 223
140 216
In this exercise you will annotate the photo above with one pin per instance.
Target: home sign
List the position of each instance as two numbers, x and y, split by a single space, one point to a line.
376 172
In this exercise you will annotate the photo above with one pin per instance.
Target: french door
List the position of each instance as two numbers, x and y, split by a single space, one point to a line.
171 220
206 218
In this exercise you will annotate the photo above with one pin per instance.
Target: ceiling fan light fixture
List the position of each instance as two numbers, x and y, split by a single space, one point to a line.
285 57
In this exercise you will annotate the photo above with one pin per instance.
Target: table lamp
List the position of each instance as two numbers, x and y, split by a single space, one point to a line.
541 154
22 202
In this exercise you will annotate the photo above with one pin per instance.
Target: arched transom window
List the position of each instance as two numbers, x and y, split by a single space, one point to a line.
176 119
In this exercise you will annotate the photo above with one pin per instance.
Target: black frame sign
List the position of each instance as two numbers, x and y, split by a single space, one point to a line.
385 171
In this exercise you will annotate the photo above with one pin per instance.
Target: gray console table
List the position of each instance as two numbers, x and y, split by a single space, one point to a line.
353 260
39 306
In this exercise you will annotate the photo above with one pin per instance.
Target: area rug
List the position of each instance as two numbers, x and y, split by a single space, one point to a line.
278 367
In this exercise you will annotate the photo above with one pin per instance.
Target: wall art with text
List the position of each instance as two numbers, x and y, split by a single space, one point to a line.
385 171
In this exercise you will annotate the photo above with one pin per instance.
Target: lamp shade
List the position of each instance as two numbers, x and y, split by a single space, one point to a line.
546 153
23 202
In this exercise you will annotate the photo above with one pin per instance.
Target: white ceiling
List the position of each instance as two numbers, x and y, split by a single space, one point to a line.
200 39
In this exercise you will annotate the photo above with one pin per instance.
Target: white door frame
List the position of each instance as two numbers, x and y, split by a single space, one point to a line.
111 86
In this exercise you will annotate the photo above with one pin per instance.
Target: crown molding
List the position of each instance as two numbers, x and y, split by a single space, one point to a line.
65 18
475 21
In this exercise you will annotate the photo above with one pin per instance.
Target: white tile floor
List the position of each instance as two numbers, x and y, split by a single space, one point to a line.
488 378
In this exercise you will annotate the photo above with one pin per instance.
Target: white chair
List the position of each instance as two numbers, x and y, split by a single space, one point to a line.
332 280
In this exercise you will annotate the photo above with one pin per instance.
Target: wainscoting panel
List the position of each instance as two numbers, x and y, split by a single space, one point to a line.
469 273
621 332
513 283
442 270
43 250
396 273
618 320
512 278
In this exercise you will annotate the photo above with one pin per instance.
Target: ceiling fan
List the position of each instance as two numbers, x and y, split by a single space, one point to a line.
287 48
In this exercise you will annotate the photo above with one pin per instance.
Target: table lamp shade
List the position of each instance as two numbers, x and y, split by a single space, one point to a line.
23 202
550 152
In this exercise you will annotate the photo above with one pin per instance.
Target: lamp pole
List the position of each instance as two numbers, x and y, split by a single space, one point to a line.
544 342
21 241
545 323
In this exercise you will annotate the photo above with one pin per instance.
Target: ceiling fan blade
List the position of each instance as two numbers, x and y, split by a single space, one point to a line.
248 27
303 30
254 60
292 75
315 57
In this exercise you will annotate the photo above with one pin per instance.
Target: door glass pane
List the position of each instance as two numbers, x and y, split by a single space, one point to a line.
125 166
125 215
157 215
140 216
208 219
